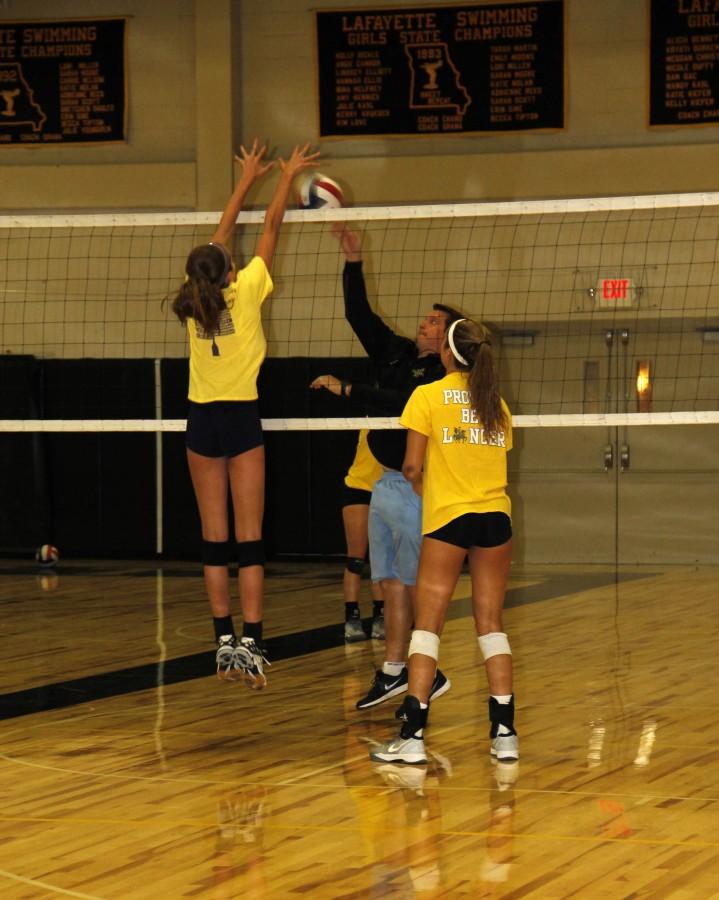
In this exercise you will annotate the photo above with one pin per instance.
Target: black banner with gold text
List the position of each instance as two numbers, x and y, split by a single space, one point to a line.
62 82
684 62
441 70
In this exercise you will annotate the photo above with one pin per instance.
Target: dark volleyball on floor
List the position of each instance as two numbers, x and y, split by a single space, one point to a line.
47 556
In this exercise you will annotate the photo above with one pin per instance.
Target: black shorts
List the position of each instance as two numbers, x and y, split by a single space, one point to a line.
223 428
355 496
490 529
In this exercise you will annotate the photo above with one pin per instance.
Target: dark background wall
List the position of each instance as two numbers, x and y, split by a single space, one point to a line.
94 493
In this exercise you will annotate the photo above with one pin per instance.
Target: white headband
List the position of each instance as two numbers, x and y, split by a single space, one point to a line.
450 341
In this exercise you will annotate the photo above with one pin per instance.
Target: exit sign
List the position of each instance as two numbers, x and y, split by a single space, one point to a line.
615 293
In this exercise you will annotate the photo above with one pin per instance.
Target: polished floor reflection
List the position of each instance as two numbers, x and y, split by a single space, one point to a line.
129 771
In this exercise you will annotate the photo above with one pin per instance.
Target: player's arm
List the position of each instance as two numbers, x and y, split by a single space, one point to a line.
414 459
382 401
379 341
387 401
299 160
253 168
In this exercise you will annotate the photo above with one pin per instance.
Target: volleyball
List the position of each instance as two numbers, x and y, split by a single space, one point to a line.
319 192
47 555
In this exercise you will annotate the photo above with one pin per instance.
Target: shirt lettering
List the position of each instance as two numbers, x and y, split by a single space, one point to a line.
473 436
468 416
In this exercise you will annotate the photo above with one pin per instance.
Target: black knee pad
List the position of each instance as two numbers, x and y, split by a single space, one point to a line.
215 553
355 565
250 553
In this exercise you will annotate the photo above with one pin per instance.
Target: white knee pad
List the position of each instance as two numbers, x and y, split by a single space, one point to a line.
424 642
494 644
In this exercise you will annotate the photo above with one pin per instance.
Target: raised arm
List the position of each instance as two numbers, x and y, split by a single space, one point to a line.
252 169
299 160
381 344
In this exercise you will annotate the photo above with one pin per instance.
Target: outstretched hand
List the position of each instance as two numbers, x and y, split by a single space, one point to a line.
299 159
251 160
350 241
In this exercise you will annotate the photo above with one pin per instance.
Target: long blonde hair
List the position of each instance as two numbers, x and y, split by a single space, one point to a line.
472 342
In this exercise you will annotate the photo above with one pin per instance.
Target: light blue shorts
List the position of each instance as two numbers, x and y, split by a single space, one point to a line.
395 529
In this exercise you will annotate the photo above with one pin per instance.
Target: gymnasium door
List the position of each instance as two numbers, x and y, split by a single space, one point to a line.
668 495
610 495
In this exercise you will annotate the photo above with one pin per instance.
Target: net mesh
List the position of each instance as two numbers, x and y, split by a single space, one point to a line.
580 293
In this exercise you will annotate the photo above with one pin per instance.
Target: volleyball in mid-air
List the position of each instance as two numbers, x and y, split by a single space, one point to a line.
47 555
319 192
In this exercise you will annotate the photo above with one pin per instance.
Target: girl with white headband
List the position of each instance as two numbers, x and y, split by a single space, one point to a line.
459 433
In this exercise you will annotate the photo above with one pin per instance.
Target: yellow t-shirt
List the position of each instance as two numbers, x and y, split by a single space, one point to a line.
232 374
365 469
465 469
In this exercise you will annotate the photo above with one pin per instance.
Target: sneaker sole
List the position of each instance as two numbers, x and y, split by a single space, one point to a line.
504 755
247 671
231 676
256 682
393 692
409 759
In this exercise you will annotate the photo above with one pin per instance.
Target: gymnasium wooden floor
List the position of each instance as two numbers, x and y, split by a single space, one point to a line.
128 771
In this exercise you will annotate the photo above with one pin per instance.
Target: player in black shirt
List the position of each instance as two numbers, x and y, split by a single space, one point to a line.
401 364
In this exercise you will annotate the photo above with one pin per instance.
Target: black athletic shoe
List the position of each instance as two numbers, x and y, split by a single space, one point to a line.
383 687
440 685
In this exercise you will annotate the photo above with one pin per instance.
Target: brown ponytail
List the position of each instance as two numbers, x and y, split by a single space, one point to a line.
473 344
200 297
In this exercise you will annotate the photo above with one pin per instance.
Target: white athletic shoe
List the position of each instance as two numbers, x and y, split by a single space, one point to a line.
249 660
225 658
403 750
354 630
505 747
378 627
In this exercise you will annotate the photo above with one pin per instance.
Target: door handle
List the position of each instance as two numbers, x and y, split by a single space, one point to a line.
624 458
608 457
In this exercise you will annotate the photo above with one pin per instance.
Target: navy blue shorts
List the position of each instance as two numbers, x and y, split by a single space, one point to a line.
224 428
355 496
490 529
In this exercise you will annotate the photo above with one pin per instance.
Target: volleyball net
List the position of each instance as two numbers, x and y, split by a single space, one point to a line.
604 311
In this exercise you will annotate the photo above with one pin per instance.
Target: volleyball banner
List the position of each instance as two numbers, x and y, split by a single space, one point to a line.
441 70
62 82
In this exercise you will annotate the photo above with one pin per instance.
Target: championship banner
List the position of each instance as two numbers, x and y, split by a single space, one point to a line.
684 62
441 70
62 82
